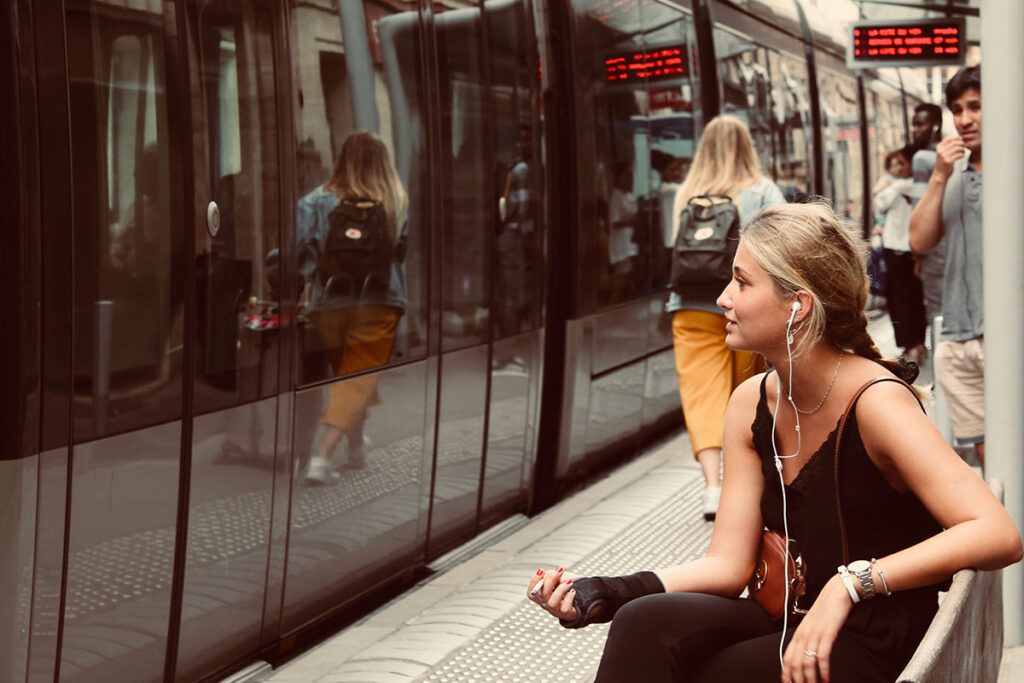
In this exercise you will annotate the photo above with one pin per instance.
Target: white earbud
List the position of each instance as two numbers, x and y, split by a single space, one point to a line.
789 325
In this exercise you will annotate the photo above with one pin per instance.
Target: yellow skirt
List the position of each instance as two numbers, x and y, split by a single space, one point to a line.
356 338
708 372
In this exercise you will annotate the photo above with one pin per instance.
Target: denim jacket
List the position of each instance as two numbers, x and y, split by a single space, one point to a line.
311 232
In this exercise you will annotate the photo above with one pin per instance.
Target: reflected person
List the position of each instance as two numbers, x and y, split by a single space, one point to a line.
351 237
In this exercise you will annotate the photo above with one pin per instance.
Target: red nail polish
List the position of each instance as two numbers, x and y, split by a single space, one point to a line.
561 569
540 572
570 581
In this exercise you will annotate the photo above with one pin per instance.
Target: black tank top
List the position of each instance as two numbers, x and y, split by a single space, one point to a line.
879 521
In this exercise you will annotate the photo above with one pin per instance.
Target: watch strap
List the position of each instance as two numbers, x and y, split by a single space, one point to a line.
867 583
847 579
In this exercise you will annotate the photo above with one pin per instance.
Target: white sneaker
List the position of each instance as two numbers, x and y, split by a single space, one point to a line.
320 472
712 494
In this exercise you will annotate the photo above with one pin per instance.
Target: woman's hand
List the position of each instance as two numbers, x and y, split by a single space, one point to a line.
553 591
807 655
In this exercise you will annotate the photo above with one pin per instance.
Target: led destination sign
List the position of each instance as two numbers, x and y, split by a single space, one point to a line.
923 42
665 62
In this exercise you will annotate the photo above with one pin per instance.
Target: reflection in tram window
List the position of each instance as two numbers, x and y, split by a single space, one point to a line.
885 125
357 68
237 316
463 98
674 113
791 126
842 140
746 89
351 235
128 293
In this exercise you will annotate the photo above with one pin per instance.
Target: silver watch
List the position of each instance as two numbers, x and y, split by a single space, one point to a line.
862 570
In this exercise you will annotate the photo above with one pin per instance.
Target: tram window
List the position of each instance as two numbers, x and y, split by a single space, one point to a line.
466 189
614 156
673 112
885 126
746 89
127 284
357 68
236 351
791 125
842 142
518 250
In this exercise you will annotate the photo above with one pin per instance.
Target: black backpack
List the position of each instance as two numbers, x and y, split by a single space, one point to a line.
358 251
709 232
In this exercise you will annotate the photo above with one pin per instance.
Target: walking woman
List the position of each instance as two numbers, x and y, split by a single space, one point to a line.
708 370
913 512
355 308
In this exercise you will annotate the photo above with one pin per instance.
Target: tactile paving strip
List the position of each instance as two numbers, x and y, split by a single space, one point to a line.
528 645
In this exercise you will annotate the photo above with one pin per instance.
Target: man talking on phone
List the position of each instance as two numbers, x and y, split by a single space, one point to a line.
951 207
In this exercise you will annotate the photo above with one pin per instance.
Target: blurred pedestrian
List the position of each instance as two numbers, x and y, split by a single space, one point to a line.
708 370
951 207
356 301
903 287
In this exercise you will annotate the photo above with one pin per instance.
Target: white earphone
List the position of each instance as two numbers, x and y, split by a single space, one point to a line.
778 458
789 325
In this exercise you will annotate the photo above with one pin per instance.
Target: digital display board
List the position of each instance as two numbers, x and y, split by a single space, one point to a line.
655 64
914 42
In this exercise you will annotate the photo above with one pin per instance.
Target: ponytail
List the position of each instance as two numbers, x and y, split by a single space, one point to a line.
861 343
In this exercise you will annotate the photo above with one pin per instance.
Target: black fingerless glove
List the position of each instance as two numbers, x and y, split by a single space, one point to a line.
598 598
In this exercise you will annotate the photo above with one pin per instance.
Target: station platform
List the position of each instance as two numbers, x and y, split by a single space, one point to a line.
470 620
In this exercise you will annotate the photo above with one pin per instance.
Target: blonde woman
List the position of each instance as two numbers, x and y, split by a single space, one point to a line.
914 513
708 370
356 322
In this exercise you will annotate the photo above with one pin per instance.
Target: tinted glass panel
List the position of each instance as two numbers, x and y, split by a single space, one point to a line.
674 121
519 249
746 88
465 193
236 354
357 68
791 125
842 141
127 275
613 148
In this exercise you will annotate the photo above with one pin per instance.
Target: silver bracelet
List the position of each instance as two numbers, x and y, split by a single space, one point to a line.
881 575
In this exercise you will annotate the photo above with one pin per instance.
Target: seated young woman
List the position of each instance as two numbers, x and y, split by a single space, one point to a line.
913 513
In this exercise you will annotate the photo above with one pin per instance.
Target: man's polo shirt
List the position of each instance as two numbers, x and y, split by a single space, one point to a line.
962 291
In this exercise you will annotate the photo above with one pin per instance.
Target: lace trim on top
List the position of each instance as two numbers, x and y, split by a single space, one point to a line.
816 464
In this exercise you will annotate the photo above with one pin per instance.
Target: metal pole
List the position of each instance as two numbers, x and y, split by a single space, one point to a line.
101 365
359 63
1002 96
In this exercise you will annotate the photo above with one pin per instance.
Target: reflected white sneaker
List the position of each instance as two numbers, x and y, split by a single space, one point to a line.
712 494
320 472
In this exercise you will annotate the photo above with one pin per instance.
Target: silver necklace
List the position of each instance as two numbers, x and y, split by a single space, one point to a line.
827 391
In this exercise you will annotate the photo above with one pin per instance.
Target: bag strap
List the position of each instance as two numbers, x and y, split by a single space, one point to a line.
839 439
710 197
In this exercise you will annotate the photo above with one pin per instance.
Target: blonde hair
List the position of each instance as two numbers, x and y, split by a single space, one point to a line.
806 247
725 163
364 169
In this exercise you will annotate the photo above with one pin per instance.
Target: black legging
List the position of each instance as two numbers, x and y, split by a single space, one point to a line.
905 296
697 638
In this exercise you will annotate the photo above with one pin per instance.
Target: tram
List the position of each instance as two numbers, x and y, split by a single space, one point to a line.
163 380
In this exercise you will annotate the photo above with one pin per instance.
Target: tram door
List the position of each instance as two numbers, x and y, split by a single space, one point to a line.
491 255
236 219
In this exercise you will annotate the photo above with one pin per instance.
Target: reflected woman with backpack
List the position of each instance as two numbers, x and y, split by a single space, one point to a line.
725 164
351 236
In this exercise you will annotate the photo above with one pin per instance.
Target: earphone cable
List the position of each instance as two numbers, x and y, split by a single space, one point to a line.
778 468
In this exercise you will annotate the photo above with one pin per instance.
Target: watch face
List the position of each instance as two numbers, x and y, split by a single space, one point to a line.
859 566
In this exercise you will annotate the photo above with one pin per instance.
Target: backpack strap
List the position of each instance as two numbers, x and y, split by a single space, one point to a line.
839 439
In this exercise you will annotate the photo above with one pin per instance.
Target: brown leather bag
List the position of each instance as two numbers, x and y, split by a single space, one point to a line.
767 585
